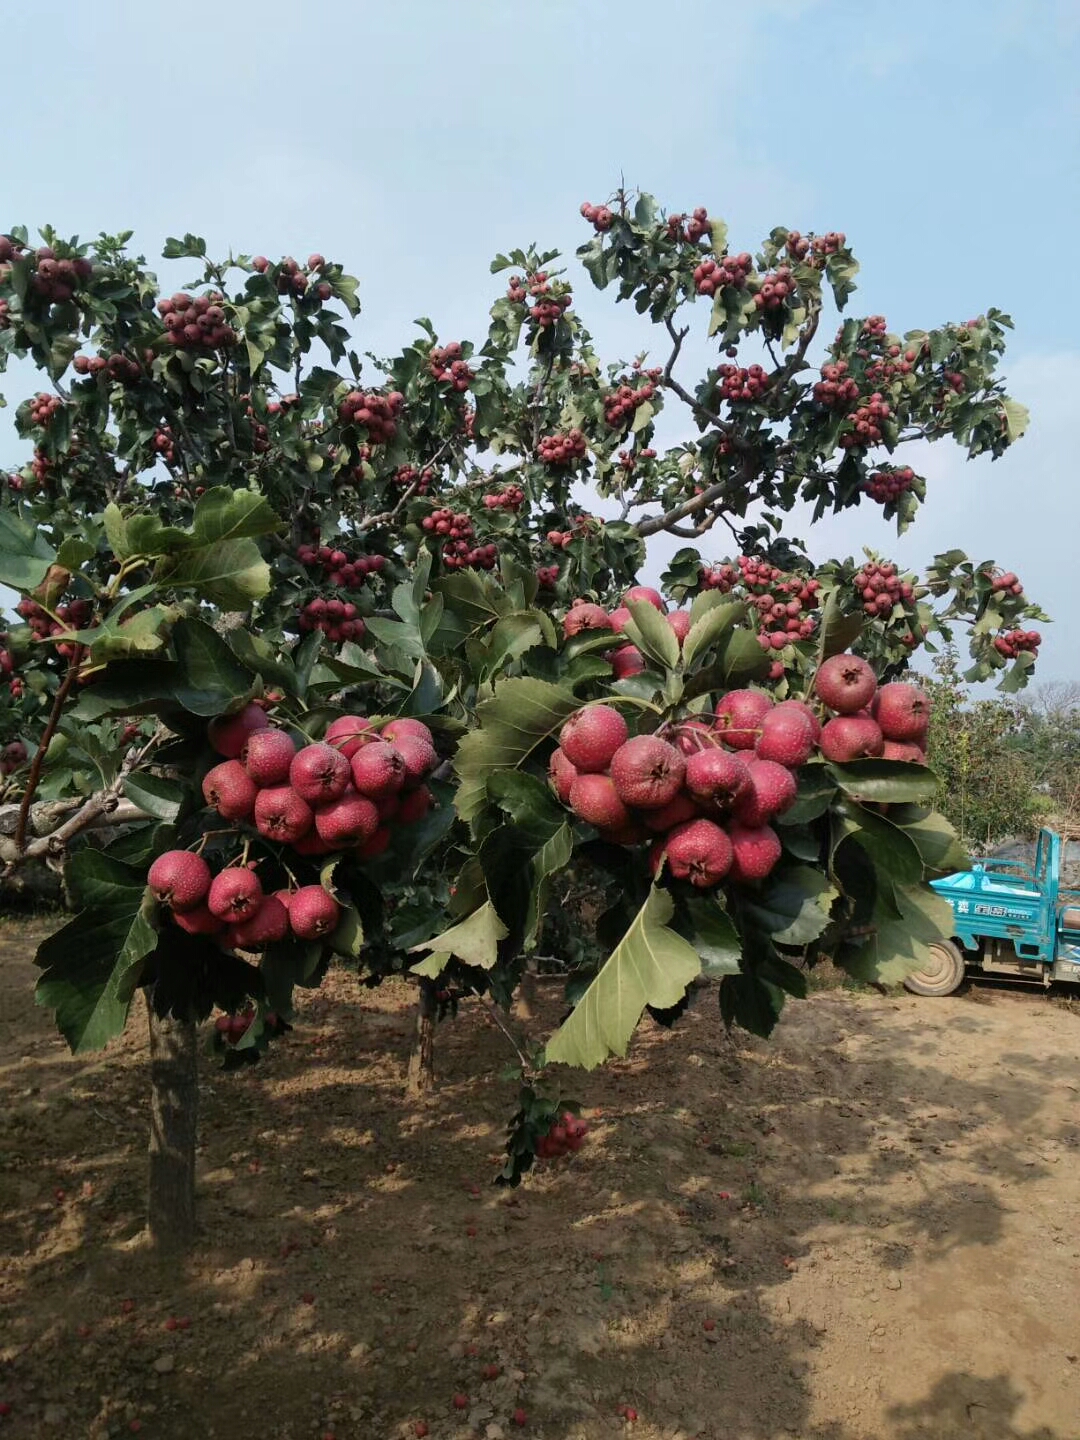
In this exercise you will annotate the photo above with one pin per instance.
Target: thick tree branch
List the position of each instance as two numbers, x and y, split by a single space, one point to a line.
101 811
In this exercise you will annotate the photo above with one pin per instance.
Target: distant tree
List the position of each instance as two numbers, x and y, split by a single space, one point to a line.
1048 736
984 753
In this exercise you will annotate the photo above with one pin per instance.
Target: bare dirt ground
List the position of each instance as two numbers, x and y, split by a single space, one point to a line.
868 1229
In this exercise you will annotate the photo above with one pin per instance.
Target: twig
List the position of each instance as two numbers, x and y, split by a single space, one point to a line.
38 761
493 1011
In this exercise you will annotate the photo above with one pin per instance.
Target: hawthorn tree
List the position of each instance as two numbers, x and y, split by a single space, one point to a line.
320 654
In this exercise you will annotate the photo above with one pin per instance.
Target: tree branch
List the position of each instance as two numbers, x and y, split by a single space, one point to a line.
101 811
38 761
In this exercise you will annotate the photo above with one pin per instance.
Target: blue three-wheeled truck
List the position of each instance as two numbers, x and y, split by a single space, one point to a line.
1012 919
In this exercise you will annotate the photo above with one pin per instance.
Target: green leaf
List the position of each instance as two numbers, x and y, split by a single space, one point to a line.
935 839
348 938
711 931
25 554
128 637
74 552
894 854
213 678
474 940
91 967
161 798
743 657
906 921
521 714
751 1002
885 781
837 631
230 573
652 634
794 904
707 629
651 965
527 799
1017 418
225 514
817 789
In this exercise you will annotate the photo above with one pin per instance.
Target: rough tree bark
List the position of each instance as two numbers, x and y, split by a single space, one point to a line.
174 1096
421 1073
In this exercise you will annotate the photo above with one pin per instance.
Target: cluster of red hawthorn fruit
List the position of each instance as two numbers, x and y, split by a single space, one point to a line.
343 792
814 248
599 217
459 550
1015 642
548 575
291 278
690 231
887 484
43 408
196 322
341 569
547 306
376 413
881 588
628 459
728 273
739 383
406 475
446 364
836 388
75 615
703 792
626 659
562 449
55 280
339 620
566 1137
118 367
16 684
866 422
784 603
1006 584
776 287
621 402
512 498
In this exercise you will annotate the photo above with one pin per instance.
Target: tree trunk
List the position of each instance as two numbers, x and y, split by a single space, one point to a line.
174 1099
421 1074
527 992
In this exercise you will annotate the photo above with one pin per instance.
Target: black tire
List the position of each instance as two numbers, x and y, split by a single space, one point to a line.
943 975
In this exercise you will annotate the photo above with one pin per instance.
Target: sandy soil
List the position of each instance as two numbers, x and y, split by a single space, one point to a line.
868 1229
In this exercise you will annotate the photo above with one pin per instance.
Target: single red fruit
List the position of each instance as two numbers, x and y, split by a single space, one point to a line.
694 735
519 1417
319 773
787 738
418 757
708 1325
619 618
227 734
350 820
902 711
378 770
269 924
755 851
490 1372
420 1429
234 895
585 617
679 620
646 593
596 799
562 774
591 736
846 683
903 750
313 912
461 1402
405 725
676 812
281 815
739 717
851 737
626 661
700 852
267 755
716 778
803 709
230 790
415 805
347 734
647 772
771 790
180 879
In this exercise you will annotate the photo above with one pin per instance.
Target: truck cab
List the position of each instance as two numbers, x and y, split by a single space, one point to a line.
1014 918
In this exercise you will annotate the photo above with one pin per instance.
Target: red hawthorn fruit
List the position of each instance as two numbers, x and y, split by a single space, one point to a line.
755 851
267 755
227 734
771 790
234 895
378 770
694 735
903 750
282 815
347 734
179 879
700 852
647 772
851 737
902 711
740 715
648 594
198 921
679 620
619 618
676 812
626 661
230 790
716 778
397 730
414 805
418 756
591 736
349 820
585 617
269 924
786 738
803 709
319 773
846 683
562 774
519 1417
420 1429
596 800
313 912
461 1402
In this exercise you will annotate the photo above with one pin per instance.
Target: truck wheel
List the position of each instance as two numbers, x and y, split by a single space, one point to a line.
942 975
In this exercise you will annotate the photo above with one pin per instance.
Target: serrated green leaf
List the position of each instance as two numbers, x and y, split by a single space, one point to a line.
25 554
161 798
521 714
935 839
474 940
651 965
837 631
348 937
229 573
213 679
224 514
711 931
652 634
1017 418
907 920
709 628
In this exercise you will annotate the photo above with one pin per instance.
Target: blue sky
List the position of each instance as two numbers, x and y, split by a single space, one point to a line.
413 141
